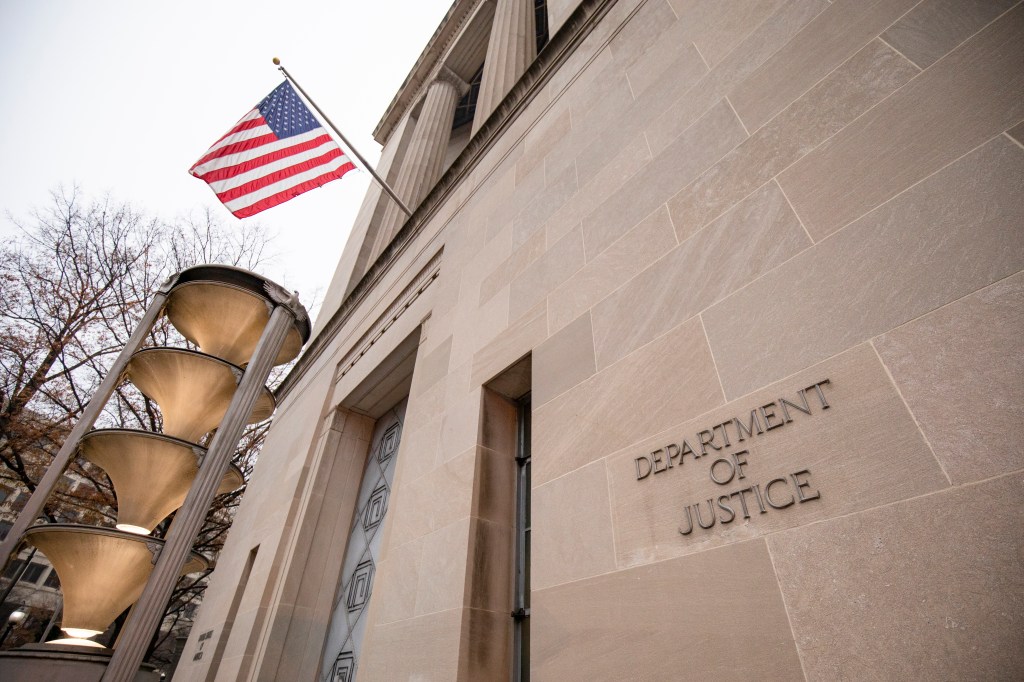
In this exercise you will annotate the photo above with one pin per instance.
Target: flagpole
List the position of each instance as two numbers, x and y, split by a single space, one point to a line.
355 152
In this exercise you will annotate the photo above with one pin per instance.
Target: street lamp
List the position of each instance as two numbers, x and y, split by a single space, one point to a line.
243 325
16 618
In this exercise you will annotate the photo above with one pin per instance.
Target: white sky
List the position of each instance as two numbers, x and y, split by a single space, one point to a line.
124 96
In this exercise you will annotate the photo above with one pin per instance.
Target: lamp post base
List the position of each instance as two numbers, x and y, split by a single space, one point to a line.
35 662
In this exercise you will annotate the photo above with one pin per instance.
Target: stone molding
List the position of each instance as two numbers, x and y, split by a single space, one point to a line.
422 72
560 47
384 322
446 75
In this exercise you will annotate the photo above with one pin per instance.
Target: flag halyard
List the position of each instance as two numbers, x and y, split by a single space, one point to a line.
275 152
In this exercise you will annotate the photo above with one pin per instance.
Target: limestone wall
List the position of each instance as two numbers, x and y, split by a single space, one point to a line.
709 208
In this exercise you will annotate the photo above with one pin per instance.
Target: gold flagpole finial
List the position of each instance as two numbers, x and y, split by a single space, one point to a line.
277 62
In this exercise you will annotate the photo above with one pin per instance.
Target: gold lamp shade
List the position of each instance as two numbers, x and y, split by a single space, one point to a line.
102 571
151 473
225 321
192 389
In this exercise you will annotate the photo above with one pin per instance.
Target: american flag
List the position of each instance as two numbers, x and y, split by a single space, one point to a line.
275 152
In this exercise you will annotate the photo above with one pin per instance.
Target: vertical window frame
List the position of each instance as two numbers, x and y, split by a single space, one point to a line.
521 590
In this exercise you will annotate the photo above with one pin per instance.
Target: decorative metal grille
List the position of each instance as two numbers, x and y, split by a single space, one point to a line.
540 11
348 619
466 108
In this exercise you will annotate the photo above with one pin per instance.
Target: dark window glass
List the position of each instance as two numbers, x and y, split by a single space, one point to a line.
466 108
52 581
34 573
521 598
13 568
540 10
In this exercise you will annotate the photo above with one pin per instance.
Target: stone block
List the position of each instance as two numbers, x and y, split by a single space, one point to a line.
428 642
704 143
494 486
961 371
489 568
862 451
601 145
433 501
604 173
713 615
486 645
553 126
825 43
865 79
643 28
565 359
521 336
543 205
531 287
1016 133
761 233
512 266
442 570
906 257
771 35
668 380
727 23
961 101
929 588
932 29
571 528
432 367
651 239
397 579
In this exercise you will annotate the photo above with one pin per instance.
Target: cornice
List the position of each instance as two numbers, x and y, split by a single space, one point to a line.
561 45
425 67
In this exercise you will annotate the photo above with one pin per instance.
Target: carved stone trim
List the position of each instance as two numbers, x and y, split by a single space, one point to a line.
168 284
419 76
446 75
413 291
385 321
561 46
289 299
154 548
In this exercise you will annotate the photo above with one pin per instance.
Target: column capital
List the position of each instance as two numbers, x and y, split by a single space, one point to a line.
446 75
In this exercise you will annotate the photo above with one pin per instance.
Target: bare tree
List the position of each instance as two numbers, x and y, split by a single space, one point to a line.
73 285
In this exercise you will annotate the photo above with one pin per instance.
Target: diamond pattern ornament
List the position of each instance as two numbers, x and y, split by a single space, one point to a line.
344 668
348 621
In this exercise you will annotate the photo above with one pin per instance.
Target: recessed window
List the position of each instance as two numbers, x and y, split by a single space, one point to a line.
13 568
521 595
540 10
466 108
33 573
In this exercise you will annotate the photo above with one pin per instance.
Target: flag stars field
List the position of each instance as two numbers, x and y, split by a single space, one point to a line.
275 152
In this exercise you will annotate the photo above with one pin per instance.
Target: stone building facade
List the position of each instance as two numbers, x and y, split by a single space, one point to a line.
699 358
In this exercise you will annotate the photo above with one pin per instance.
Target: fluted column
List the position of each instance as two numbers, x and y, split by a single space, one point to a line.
421 168
512 48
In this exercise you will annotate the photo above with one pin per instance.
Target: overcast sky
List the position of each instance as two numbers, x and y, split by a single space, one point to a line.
124 96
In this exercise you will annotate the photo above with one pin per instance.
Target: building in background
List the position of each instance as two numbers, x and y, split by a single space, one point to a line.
700 357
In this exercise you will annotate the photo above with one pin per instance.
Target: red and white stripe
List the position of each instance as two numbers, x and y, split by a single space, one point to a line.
251 170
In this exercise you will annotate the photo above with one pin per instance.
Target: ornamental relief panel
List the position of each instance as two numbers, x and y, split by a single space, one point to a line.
348 617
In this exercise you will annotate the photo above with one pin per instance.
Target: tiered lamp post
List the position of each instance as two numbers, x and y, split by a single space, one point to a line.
243 325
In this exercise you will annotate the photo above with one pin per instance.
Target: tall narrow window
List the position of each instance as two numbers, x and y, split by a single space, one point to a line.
362 553
465 110
540 12
521 596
